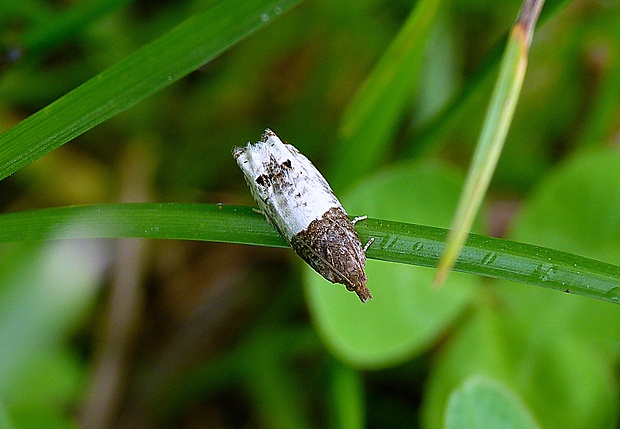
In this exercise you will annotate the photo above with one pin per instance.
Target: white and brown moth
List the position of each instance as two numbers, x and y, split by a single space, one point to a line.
299 203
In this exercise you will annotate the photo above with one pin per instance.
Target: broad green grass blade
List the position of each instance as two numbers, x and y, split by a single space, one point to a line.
193 43
372 117
394 241
494 131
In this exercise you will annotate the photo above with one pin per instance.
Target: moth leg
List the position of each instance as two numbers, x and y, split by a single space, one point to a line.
372 240
358 219
258 211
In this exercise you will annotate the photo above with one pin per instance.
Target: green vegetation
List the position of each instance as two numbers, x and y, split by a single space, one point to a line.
118 118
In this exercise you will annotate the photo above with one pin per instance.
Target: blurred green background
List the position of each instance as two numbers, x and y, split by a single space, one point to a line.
146 333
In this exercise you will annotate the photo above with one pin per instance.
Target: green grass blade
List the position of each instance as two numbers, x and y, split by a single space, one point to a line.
185 48
494 130
203 222
394 241
494 257
372 117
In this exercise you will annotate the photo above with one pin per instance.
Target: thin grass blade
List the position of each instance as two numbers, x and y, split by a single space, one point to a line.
491 142
394 241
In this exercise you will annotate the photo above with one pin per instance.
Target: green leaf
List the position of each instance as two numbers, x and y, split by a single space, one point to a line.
576 208
193 43
559 378
556 350
483 403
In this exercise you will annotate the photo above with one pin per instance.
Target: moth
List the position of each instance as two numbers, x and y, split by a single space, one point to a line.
299 203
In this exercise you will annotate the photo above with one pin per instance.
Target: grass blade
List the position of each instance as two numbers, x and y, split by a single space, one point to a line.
394 241
494 131
185 48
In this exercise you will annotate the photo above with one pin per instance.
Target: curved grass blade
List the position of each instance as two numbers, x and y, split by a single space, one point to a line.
183 49
394 241
491 142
